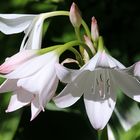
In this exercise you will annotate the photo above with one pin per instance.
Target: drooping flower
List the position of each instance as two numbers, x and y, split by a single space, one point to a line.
99 81
15 23
30 24
33 81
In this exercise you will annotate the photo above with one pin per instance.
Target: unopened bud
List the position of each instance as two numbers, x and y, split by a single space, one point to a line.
94 29
89 43
75 16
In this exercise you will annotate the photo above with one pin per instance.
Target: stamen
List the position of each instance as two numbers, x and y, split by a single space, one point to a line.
101 87
108 86
97 82
101 78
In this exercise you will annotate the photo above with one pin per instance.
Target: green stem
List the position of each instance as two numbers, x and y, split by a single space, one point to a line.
77 32
100 44
86 28
64 47
65 13
78 56
77 43
48 49
55 13
99 134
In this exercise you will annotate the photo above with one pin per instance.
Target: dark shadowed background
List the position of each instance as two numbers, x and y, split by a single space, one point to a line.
119 24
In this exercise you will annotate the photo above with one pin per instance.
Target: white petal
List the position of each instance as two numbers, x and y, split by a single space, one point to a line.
44 76
19 99
91 65
34 35
13 62
112 60
35 108
110 133
72 92
66 75
99 109
128 84
8 85
49 91
14 23
32 66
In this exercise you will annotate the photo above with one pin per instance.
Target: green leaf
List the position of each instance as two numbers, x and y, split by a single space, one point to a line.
8 122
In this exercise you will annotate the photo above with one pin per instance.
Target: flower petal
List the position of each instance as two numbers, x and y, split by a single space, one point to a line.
33 65
112 60
72 92
8 85
14 23
64 74
91 65
35 108
34 35
19 99
99 108
128 84
13 62
49 91
44 76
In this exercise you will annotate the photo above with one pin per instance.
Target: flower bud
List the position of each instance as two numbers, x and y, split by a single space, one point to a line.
89 43
75 16
94 29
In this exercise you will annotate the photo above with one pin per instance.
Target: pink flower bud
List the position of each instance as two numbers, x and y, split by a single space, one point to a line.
89 43
94 29
75 16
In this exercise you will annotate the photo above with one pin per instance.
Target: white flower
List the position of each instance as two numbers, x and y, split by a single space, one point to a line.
15 23
30 24
34 81
98 80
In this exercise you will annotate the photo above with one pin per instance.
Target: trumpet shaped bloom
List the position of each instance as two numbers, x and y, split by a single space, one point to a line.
98 82
31 25
33 80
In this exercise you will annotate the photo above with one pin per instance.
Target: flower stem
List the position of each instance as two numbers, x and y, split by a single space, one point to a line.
76 43
86 28
78 56
100 44
61 48
65 13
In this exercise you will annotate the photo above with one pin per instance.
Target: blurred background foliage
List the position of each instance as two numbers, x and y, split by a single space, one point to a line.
119 24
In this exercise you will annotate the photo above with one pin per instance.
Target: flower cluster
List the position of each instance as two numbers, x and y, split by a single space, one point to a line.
33 74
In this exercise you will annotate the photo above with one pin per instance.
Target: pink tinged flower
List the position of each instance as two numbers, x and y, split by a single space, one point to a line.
16 60
99 81
33 82
89 43
75 16
94 29
15 23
